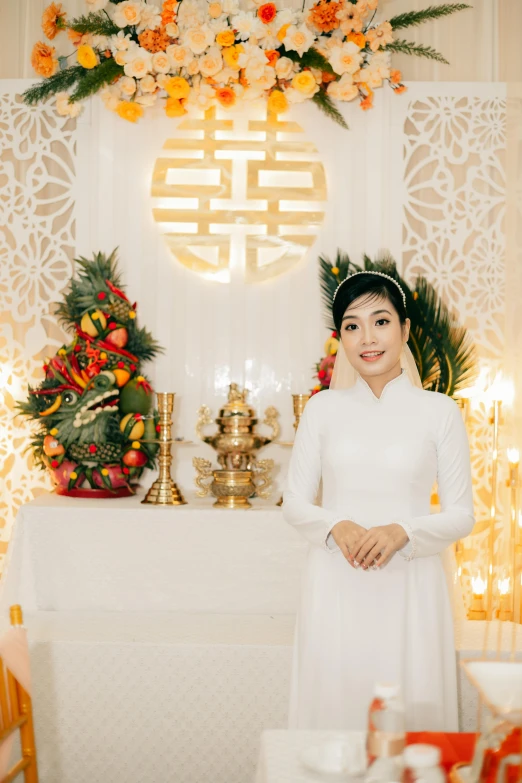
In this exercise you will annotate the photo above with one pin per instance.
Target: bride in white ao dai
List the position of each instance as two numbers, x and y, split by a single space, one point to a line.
374 603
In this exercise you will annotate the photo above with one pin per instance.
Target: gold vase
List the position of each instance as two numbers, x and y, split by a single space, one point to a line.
164 491
232 488
236 440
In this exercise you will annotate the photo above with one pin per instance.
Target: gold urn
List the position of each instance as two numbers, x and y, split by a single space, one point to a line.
236 440
232 488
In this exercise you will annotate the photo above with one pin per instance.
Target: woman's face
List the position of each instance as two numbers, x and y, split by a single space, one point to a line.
371 325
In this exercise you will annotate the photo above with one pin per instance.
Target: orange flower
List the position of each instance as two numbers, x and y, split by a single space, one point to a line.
177 87
87 57
75 37
328 77
277 102
357 38
43 60
168 12
130 111
395 77
154 40
267 12
272 55
323 15
400 89
367 103
53 20
226 96
174 108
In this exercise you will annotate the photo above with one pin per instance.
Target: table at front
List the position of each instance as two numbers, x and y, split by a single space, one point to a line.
281 751
161 637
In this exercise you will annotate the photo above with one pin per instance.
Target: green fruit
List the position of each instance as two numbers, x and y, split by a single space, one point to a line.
134 398
151 434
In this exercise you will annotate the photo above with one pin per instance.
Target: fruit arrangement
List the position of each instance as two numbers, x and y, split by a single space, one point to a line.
94 407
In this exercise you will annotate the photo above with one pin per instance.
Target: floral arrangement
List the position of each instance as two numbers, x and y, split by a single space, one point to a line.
202 53
94 413
444 352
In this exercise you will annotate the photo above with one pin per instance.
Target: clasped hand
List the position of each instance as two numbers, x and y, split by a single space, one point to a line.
368 548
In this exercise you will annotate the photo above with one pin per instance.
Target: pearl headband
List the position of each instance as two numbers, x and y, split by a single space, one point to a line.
370 272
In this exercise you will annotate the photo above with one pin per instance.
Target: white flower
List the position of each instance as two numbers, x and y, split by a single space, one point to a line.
160 62
199 38
96 41
162 79
147 100
266 80
294 96
285 68
253 60
211 62
139 65
225 75
150 18
230 6
252 93
201 97
193 67
110 97
380 63
243 23
148 84
191 14
344 89
179 56
127 13
64 108
346 58
298 39
172 30
96 5
120 42
127 86
286 16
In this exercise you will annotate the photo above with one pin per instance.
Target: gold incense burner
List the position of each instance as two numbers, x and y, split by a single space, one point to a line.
232 488
236 440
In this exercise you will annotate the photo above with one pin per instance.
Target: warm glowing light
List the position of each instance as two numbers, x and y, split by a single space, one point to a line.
478 585
513 456
503 586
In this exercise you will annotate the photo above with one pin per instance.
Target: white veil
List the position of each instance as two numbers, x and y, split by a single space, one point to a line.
345 375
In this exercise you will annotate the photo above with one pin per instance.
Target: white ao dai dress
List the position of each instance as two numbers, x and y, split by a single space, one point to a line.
378 459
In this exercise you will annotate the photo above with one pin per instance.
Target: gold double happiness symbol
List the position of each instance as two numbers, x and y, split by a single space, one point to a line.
239 198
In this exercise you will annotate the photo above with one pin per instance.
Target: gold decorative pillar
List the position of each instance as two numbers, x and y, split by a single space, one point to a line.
164 491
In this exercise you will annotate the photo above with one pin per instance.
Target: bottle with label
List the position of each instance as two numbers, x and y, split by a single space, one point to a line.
386 734
422 764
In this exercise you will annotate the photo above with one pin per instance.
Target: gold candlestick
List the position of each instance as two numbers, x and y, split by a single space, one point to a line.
164 491
299 402
495 420
513 484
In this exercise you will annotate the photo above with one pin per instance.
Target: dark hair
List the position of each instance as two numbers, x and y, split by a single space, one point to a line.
374 286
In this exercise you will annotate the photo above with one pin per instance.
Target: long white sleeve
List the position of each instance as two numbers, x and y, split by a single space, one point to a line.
304 476
432 533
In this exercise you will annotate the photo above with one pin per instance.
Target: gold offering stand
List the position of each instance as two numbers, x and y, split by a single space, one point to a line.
299 402
164 491
241 475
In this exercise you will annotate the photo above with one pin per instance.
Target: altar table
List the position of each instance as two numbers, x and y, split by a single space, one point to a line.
280 753
161 638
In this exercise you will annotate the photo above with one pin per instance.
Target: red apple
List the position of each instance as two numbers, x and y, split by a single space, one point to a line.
135 458
119 337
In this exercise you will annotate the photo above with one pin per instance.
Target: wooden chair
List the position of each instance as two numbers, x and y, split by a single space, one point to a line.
16 715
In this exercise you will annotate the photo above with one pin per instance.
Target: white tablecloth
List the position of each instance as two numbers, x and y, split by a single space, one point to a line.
161 638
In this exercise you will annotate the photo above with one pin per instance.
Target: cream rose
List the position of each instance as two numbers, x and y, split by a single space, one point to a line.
266 80
150 18
146 100
139 66
284 68
344 89
110 97
148 83
172 30
193 67
211 62
179 56
64 108
160 62
127 13
127 86
199 38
